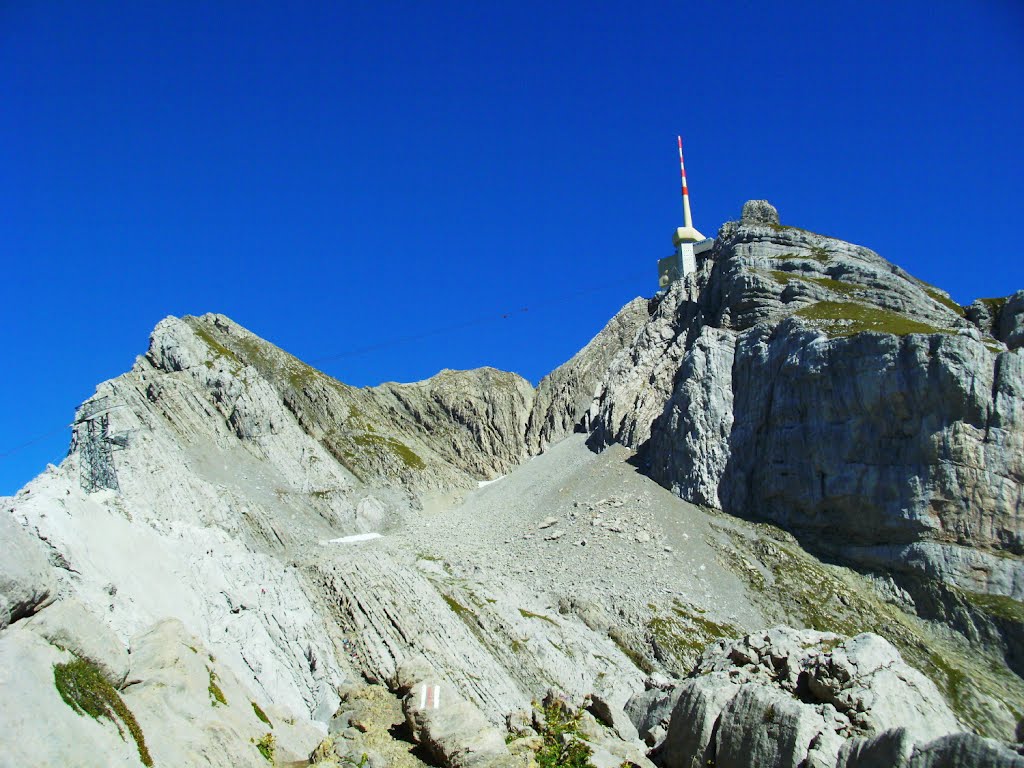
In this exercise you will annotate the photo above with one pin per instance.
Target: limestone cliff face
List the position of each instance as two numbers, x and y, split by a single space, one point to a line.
808 381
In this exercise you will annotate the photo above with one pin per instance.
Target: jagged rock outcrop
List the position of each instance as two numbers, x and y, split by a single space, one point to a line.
803 698
199 482
1002 318
564 396
808 381
759 212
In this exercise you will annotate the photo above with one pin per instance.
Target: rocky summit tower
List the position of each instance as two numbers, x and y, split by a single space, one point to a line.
687 240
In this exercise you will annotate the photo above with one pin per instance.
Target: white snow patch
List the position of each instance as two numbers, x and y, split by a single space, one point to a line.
355 538
482 483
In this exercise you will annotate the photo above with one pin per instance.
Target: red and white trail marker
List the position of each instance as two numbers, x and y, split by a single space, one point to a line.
430 696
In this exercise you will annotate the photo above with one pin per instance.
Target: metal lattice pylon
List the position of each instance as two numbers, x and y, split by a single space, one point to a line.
95 446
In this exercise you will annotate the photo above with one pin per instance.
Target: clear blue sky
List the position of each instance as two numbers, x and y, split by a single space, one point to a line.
344 175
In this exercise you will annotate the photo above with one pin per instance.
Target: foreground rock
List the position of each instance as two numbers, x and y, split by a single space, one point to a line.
792 698
176 705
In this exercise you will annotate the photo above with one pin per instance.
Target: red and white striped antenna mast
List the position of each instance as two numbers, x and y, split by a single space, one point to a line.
687 240
687 219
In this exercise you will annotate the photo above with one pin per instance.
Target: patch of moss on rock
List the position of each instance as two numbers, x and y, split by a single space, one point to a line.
838 286
846 318
997 605
681 636
398 448
216 694
87 691
936 295
261 714
461 610
640 661
530 615
215 346
995 305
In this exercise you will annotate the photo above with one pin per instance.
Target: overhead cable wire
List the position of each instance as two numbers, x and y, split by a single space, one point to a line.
396 341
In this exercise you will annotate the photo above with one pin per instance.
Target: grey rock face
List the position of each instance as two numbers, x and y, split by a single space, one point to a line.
1011 321
1002 318
760 212
964 749
650 711
808 381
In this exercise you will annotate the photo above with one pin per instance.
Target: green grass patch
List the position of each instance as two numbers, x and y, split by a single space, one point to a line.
997 605
681 636
462 611
788 228
837 286
401 450
640 661
995 305
216 694
950 679
847 318
207 338
87 691
261 714
530 615
936 295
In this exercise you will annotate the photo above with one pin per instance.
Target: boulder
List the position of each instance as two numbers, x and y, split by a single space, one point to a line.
38 726
962 750
454 731
759 212
69 624
786 697
27 582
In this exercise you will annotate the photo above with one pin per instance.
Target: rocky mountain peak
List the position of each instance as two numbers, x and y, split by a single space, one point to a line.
759 212
258 562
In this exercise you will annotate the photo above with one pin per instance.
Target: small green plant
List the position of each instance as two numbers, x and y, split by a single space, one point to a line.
266 746
530 615
561 745
87 691
261 714
216 694
360 763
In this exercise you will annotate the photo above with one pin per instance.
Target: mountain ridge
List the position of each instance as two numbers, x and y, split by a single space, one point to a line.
201 528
